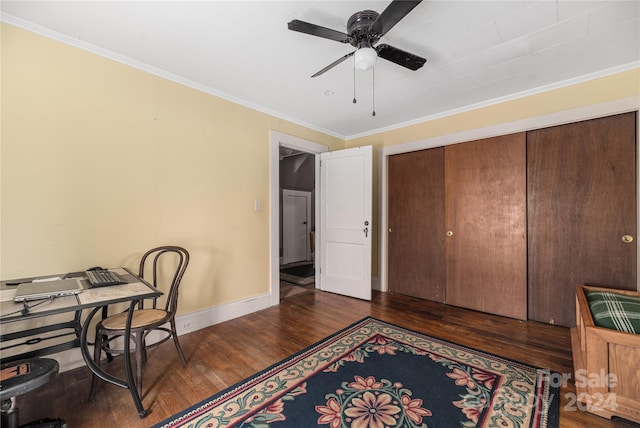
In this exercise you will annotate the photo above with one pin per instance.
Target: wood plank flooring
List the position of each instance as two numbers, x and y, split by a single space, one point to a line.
223 354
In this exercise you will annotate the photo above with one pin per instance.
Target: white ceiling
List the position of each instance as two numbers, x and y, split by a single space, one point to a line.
478 52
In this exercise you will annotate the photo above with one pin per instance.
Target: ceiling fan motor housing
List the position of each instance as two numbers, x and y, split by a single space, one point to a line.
359 26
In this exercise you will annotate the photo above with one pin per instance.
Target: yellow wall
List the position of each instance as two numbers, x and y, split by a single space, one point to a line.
596 91
101 161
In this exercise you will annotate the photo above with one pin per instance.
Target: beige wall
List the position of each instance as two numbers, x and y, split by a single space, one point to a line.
101 161
596 91
172 166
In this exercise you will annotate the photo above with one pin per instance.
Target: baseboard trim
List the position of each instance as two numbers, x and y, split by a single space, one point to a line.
197 320
187 323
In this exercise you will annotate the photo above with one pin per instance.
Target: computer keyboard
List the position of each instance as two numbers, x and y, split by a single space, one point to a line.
101 278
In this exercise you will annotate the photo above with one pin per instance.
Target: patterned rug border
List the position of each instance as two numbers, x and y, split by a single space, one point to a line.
551 415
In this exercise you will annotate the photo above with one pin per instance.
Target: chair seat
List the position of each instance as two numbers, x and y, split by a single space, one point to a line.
141 318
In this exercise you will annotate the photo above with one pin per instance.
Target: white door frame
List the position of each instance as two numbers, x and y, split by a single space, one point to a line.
278 139
286 230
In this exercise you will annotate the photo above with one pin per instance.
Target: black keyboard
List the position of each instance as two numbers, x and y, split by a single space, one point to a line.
101 278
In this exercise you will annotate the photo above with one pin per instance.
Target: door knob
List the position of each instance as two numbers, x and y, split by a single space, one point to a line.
627 239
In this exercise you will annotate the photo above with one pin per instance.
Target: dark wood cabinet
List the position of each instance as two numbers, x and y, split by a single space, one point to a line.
581 186
416 224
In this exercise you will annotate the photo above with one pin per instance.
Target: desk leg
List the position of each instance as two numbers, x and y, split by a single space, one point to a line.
127 363
130 383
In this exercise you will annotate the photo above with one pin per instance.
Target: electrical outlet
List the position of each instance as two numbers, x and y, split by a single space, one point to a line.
186 325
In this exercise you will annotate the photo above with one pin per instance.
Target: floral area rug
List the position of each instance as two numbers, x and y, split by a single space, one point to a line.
374 374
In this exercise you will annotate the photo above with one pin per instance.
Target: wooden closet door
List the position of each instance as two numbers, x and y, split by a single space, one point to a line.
486 219
582 201
416 224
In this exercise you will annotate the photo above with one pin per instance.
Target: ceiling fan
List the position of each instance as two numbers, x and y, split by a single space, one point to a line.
365 30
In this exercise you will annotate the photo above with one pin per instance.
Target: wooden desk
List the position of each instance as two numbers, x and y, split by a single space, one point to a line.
90 298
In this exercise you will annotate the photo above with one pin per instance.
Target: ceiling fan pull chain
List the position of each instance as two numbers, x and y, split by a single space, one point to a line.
373 71
354 80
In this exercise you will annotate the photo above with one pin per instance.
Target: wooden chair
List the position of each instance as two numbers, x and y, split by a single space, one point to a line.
145 320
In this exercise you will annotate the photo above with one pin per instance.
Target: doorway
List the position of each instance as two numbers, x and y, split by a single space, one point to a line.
295 166
343 200
297 187
297 226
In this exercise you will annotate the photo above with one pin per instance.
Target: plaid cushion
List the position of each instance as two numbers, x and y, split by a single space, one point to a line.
615 311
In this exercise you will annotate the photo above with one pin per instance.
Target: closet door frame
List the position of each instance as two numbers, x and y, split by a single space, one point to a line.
622 105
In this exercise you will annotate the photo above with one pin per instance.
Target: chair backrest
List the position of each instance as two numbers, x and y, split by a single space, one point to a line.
175 257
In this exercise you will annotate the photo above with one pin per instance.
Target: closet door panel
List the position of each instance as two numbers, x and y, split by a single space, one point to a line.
582 201
416 224
486 240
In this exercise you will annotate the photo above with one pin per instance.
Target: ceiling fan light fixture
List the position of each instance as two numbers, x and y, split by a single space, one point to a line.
365 58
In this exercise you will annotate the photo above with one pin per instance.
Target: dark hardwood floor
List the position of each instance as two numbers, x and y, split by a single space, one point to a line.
226 353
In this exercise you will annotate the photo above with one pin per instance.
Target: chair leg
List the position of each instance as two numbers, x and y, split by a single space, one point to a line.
107 349
177 343
144 346
140 357
97 354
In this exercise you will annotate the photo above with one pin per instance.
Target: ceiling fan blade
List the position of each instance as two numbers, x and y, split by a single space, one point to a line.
400 57
397 10
316 30
333 64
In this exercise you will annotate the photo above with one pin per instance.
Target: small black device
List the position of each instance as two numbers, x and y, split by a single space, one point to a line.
102 278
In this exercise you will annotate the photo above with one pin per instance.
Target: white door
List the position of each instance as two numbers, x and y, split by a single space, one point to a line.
296 216
345 221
